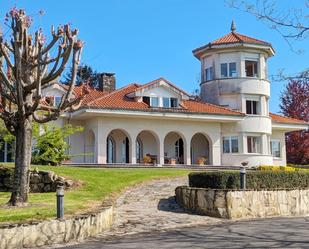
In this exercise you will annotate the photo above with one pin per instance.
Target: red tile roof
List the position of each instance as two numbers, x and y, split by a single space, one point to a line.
119 100
234 37
283 119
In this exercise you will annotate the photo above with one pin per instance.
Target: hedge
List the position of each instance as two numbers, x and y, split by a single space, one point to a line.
255 180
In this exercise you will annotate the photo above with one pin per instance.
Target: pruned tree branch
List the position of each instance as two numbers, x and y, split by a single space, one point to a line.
26 67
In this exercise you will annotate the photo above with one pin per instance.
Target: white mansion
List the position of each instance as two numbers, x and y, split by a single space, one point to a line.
229 123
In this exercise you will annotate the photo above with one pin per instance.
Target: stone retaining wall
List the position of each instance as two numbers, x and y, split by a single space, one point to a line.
40 181
233 204
55 231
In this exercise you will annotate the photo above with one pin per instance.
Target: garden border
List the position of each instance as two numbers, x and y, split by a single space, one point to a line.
35 234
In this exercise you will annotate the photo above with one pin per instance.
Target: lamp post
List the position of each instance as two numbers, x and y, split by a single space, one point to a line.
60 204
242 178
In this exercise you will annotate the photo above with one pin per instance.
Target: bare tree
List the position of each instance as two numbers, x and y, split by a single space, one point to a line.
292 23
25 67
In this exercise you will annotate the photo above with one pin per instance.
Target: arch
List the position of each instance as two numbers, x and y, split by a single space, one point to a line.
200 146
118 146
175 148
89 147
148 143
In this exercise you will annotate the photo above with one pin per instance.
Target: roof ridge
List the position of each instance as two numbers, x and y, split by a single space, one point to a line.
113 92
165 80
238 34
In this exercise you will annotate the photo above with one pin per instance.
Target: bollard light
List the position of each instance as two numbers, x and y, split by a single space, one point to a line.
60 204
242 177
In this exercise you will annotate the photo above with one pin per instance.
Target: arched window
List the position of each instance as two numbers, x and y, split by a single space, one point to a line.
139 150
110 150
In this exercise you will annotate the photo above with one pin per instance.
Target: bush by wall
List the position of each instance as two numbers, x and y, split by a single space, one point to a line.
255 180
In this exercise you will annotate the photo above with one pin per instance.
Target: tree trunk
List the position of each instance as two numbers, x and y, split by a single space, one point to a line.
23 151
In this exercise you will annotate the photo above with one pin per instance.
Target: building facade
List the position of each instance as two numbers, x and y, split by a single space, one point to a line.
157 122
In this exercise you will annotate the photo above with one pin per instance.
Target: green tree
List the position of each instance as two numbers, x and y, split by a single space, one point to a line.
50 144
85 74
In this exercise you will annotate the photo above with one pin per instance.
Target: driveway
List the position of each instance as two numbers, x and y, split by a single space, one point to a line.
266 233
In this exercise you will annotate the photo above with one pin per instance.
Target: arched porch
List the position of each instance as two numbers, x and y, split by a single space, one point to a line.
175 148
200 149
118 147
147 147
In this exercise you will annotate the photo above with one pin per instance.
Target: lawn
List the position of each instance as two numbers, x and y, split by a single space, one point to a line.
98 185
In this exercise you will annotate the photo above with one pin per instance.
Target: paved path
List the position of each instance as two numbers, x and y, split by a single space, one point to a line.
266 233
151 207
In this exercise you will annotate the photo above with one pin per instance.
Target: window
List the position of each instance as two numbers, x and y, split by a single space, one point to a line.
146 100
228 70
253 144
230 145
57 100
174 102
209 73
166 102
275 148
232 70
154 101
223 70
251 107
251 68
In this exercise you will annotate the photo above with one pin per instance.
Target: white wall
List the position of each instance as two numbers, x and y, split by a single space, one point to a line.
280 135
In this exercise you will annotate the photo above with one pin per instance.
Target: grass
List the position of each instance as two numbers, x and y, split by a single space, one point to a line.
97 185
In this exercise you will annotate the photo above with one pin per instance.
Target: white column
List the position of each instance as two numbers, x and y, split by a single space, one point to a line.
161 151
264 144
187 151
132 157
100 146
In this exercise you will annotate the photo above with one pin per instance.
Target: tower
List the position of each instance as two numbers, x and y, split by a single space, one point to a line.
234 75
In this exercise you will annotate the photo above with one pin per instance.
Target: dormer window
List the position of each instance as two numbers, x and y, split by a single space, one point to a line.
170 102
251 68
228 70
154 101
174 102
146 100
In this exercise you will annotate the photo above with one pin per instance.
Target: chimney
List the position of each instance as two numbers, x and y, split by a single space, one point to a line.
107 82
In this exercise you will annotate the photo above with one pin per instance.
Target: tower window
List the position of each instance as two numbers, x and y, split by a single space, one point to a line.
251 68
230 145
228 70
253 144
252 107
209 73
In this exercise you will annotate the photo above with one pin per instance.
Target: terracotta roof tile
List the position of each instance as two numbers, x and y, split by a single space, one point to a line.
283 119
237 38
119 100
232 38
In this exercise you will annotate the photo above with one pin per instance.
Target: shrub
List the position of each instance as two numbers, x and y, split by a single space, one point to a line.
255 180
50 147
277 168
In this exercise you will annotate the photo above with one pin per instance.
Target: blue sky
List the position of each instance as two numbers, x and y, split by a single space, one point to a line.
141 40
